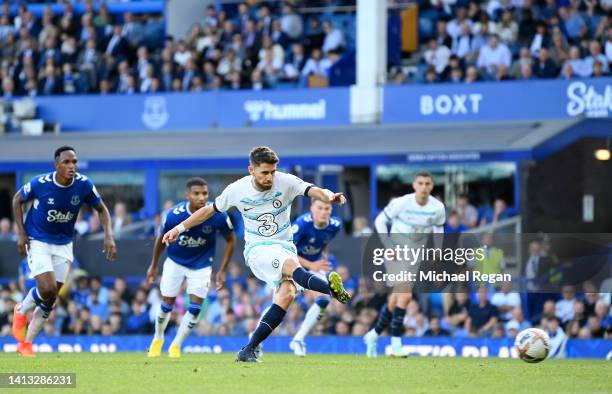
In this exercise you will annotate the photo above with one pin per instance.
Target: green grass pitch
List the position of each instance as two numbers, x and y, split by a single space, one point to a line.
219 373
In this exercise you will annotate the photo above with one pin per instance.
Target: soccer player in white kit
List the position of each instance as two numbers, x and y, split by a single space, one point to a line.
412 218
264 199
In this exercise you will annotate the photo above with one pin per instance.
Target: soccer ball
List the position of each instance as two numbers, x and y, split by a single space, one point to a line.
533 345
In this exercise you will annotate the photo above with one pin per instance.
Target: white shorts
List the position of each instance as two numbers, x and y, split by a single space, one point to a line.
44 257
266 262
198 280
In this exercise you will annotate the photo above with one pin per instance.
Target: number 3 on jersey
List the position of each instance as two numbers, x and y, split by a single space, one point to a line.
268 226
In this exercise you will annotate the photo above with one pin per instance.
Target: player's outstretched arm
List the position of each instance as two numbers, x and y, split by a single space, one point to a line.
230 243
199 216
22 240
326 195
158 248
110 249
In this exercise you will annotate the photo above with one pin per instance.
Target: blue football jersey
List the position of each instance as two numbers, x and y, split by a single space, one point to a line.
311 241
55 207
195 248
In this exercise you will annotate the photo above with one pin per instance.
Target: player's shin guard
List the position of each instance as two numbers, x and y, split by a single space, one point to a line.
161 322
310 281
314 314
188 322
384 318
267 324
39 317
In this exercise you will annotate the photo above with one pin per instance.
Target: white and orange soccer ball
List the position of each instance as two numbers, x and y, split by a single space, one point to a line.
533 345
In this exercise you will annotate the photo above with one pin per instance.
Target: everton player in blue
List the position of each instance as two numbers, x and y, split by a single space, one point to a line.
46 237
312 233
189 259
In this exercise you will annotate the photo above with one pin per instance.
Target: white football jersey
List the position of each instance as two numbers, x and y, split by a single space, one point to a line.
266 213
409 218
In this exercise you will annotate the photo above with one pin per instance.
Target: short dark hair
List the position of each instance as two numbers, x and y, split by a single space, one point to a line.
61 149
424 174
196 181
262 154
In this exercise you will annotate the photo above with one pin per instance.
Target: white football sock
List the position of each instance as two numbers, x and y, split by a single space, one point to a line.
39 317
396 342
28 302
161 322
311 318
188 322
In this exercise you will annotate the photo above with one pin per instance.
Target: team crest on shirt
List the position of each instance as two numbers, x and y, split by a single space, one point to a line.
275 263
277 203
207 229
75 200
51 201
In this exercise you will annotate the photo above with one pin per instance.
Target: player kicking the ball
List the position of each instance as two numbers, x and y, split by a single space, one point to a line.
412 218
264 199
312 233
46 238
190 259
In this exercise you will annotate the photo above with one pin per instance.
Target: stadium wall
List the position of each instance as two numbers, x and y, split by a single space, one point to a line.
483 102
425 346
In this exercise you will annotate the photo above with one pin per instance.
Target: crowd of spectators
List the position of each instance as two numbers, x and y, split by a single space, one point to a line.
233 47
470 41
258 45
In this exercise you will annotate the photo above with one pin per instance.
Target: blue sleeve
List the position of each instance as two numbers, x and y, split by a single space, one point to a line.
92 197
29 190
224 224
167 222
338 225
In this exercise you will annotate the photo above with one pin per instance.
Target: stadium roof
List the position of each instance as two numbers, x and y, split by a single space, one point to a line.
289 142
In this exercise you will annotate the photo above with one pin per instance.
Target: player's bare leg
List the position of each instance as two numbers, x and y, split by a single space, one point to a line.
161 322
188 322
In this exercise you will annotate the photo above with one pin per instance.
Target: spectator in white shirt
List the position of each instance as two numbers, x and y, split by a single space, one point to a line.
462 44
454 27
493 54
316 64
437 56
578 65
564 308
277 50
270 67
229 64
334 38
517 320
595 55
507 28
182 55
291 22
505 301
